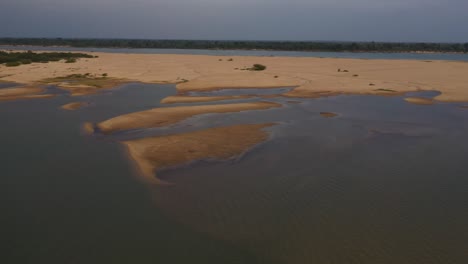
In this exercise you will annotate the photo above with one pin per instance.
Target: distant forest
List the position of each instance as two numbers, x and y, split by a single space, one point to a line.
243 45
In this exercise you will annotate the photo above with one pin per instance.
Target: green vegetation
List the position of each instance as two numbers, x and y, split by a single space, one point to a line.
243 45
385 90
81 79
257 67
11 59
12 64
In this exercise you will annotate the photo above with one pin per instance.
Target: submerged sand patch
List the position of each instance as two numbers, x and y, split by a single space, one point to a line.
200 99
419 100
16 93
74 106
159 117
328 114
221 143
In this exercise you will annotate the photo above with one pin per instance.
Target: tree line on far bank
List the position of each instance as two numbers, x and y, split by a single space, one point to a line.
12 59
243 45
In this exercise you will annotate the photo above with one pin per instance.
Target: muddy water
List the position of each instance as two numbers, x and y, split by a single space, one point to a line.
383 182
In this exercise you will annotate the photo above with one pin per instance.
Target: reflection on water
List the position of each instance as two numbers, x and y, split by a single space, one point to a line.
383 182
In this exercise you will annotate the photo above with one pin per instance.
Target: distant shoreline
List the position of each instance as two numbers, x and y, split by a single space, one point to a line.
294 46
273 50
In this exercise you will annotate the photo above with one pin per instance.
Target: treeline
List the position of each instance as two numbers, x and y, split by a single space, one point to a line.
243 45
17 58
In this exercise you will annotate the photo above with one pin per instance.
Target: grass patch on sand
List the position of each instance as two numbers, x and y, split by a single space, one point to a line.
385 90
80 84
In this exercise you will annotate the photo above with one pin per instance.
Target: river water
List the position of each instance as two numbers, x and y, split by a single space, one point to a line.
383 182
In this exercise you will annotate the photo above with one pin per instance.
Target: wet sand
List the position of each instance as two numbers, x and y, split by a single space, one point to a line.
312 76
219 143
159 117
419 100
16 93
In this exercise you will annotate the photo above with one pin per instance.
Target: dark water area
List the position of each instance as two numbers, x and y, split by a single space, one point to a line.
383 182
265 53
7 85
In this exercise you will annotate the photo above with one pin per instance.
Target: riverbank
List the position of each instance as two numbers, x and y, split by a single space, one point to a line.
310 76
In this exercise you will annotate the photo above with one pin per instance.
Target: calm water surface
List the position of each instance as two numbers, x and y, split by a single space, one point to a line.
384 182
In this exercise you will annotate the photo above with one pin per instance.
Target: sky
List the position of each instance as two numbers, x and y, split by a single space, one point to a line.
314 20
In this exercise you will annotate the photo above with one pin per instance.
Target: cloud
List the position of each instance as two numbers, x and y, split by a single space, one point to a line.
398 20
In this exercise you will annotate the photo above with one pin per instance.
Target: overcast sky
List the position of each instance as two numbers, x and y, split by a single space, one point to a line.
354 20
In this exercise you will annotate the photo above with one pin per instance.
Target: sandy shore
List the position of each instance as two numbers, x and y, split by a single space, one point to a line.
159 117
312 76
219 143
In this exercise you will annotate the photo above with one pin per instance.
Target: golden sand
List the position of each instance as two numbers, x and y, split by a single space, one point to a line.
221 143
419 100
312 76
200 99
73 106
164 116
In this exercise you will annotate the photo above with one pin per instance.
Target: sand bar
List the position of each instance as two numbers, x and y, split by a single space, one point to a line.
159 117
219 143
328 114
73 106
312 76
16 93
419 100
200 99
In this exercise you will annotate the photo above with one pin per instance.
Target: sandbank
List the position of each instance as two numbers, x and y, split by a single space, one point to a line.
73 106
328 114
159 117
200 99
312 77
221 143
16 93
419 100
